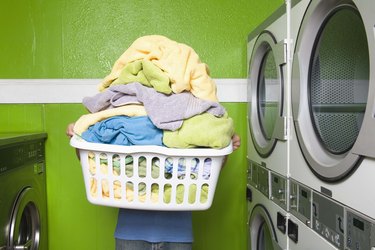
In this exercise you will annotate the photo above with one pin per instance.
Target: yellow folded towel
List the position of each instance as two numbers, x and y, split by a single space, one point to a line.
85 121
179 61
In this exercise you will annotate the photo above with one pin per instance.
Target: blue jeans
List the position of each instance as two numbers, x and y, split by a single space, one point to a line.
144 245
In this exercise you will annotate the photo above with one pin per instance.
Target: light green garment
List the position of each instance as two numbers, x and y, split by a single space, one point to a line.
180 194
180 189
142 170
146 73
205 130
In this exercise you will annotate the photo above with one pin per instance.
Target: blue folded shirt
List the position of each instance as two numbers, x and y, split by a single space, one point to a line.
125 130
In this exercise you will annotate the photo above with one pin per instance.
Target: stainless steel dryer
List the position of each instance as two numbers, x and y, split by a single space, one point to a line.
267 95
333 100
268 111
23 211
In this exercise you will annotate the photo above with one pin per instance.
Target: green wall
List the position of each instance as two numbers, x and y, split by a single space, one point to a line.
82 39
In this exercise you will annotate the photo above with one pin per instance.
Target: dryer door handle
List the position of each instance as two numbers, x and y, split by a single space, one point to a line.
281 128
280 52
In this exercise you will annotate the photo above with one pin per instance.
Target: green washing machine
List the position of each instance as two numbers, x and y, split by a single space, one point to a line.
23 206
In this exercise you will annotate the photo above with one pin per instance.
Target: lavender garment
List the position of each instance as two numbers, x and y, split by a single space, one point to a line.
166 112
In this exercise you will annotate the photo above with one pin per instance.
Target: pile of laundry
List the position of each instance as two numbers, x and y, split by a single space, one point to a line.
158 93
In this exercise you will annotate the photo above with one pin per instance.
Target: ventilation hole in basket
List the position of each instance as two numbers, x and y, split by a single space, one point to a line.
204 193
129 191
116 166
103 163
155 193
194 168
93 187
181 169
129 166
105 188
168 168
207 168
117 189
192 193
142 164
142 192
92 163
180 193
155 169
167 193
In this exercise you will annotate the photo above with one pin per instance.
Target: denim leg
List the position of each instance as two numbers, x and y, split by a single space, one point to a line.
143 245
175 246
133 245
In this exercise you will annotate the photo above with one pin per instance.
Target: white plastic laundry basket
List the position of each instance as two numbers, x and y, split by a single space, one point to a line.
150 177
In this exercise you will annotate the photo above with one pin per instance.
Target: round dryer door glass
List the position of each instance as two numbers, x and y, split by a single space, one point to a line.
265 104
339 80
268 95
25 225
262 232
264 241
330 83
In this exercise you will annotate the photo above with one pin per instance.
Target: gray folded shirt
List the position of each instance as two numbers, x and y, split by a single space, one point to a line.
167 112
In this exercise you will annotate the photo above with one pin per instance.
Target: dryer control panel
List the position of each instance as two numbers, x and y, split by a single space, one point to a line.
279 190
360 232
21 154
252 173
263 181
300 201
258 177
328 219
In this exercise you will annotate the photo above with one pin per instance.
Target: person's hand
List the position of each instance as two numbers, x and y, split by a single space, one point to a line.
236 141
69 130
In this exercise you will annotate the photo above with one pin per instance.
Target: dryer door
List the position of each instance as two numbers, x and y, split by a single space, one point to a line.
330 83
367 133
262 231
265 92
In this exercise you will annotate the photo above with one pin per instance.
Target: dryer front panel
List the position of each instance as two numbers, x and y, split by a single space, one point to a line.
330 85
266 93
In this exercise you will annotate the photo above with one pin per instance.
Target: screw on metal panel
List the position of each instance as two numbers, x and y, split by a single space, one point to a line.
308 223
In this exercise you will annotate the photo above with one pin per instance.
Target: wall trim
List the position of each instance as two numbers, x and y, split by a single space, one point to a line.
73 90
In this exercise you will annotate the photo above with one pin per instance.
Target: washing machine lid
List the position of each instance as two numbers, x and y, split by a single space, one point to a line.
9 138
266 119
330 84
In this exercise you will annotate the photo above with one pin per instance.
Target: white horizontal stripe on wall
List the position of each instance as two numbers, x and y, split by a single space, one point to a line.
73 90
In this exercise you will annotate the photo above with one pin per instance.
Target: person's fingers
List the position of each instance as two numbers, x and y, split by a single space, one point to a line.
236 141
69 130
